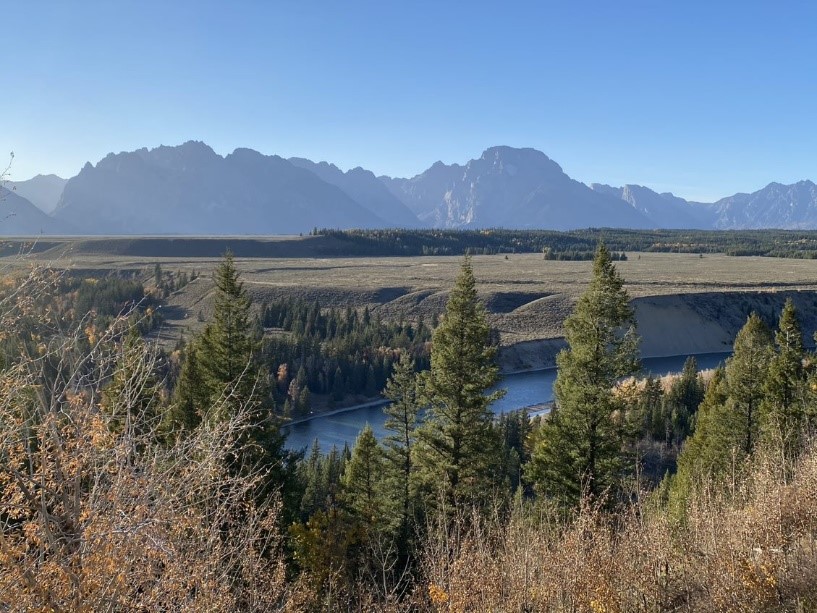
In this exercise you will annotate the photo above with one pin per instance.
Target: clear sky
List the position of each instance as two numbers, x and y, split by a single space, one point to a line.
700 98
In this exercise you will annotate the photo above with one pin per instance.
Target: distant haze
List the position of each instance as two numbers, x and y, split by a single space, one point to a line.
43 191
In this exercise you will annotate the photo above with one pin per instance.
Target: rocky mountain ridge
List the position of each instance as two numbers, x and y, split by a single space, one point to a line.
190 189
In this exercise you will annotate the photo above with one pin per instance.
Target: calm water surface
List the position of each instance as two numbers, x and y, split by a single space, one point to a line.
523 390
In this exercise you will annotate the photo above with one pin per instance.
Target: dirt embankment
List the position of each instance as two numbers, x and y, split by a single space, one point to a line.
680 324
530 324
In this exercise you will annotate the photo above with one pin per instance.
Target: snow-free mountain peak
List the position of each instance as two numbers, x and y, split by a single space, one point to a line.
190 189
43 191
512 188
774 206
364 188
19 217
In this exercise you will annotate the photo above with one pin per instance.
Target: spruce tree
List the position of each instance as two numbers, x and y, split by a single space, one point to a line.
401 421
228 356
580 450
223 374
190 397
458 447
727 425
134 393
682 400
311 476
364 484
705 453
745 381
650 407
783 413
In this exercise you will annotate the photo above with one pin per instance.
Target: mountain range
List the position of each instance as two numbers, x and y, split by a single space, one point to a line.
18 217
190 189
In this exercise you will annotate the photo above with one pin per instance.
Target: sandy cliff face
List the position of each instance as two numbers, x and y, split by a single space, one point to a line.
679 324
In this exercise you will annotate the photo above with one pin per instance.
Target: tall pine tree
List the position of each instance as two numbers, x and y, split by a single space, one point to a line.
190 397
783 411
746 374
727 426
364 482
580 450
458 447
401 421
134 394
228 355
223 374
682 400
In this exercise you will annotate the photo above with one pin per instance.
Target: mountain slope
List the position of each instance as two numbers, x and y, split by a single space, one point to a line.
190 189
364 188
511 188
423 193
43 191
664 210
775 206
19 217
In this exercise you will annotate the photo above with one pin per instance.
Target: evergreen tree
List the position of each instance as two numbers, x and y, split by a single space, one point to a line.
223 374
228 356
190 397
363 481
745 381
783 413
650 406
514 429
134 393
311 475
681 402
727 426
458 448
157 275
705 453
401 421
580 450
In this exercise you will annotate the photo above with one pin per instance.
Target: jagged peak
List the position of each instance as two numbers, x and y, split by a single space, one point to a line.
194 145
246 152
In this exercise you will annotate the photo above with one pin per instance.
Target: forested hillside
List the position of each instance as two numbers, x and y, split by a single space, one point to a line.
131 479
574 244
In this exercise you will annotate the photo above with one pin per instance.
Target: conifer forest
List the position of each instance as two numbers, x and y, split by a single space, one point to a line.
137 476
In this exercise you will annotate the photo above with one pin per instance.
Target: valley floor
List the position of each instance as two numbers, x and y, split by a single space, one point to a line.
685 303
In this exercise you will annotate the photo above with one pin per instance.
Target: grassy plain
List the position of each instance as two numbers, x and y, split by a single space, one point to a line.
527 297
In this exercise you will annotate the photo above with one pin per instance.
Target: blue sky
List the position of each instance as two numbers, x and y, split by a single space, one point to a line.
700 98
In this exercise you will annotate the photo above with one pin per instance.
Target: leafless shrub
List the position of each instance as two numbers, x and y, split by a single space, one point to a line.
96 514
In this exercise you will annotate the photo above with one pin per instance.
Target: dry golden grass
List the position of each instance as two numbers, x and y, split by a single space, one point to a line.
750 549
96 514
528 296
93 516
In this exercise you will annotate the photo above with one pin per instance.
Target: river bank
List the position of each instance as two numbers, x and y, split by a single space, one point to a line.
669 325
338 411
533 389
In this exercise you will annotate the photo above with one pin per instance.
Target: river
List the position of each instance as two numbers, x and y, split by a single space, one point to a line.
523 390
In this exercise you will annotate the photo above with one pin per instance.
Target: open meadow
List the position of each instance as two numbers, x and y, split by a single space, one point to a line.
685 302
